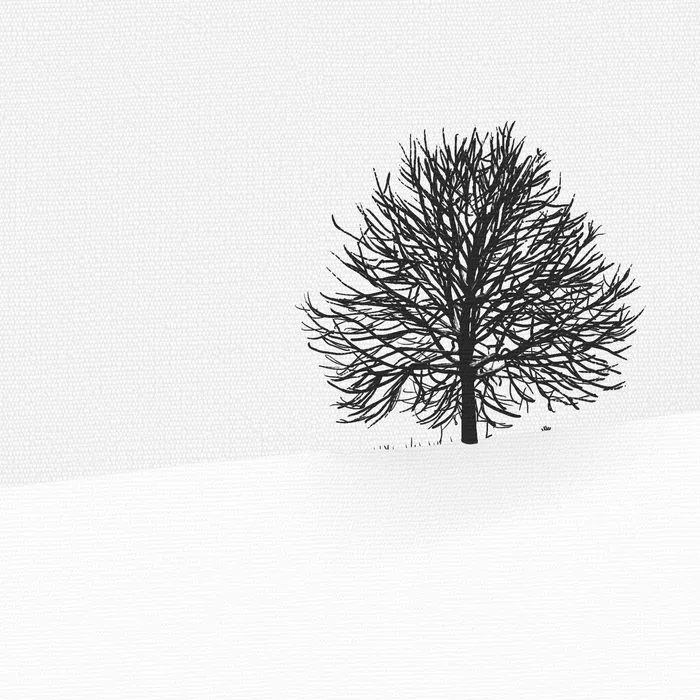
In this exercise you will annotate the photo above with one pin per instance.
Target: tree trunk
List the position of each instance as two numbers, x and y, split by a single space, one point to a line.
468 379
469 435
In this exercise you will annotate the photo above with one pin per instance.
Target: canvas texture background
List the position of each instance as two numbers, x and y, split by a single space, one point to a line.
168 172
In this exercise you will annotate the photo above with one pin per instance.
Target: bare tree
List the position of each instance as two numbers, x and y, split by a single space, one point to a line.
482 292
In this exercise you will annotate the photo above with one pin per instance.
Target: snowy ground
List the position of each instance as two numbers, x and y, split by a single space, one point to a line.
561 565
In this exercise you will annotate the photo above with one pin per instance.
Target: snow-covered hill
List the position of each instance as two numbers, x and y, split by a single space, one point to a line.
563 565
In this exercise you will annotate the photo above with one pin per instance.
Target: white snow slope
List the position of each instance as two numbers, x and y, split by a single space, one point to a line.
566 566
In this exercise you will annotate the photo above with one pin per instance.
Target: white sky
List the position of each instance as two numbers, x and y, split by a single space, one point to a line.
169 172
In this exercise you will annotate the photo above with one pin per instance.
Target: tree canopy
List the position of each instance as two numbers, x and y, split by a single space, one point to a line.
482 292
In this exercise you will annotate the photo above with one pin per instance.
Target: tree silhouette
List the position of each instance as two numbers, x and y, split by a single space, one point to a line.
482 292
